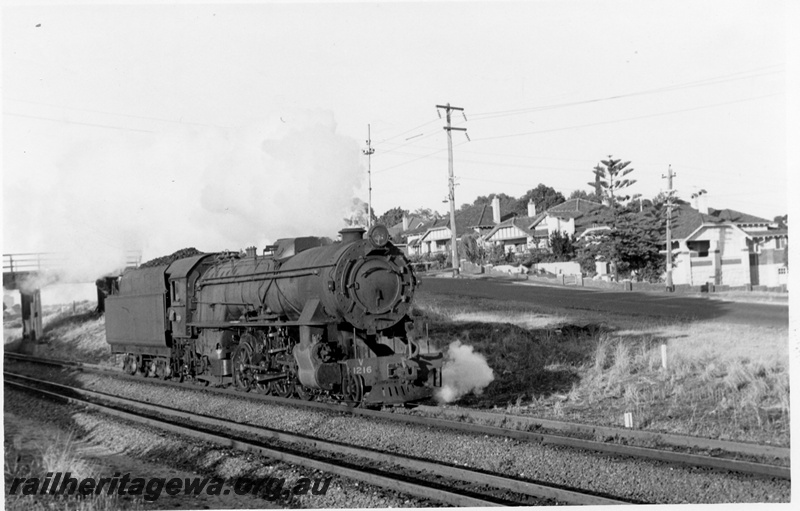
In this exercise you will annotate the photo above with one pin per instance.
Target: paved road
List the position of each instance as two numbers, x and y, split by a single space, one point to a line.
632 303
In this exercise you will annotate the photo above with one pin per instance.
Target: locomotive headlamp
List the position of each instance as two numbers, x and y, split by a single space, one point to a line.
378 235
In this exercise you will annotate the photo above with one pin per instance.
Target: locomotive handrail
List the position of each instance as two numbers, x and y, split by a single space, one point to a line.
228 279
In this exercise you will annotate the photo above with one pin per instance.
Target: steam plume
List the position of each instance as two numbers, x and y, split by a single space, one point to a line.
464 371
290 174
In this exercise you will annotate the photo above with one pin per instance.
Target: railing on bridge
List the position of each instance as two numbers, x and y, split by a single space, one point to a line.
45 261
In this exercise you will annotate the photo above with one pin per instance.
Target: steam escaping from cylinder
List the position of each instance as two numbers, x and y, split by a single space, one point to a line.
464 371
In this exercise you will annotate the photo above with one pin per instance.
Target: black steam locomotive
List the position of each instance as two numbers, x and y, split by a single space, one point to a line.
308 318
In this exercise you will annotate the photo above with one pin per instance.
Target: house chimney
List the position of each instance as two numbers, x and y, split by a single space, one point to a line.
531 208
405 222
701 201
703 204
496 210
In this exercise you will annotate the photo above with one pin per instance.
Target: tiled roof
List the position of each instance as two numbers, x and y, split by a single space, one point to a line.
566 214
421 229
476 215
737 217
594 217
586 213
521 222
413 223
686 219
574 205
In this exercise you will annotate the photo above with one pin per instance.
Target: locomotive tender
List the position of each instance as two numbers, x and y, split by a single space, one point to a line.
308 318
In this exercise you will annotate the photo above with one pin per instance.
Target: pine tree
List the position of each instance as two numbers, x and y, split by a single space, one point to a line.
632 243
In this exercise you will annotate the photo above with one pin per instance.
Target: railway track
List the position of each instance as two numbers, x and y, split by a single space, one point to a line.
421 478
726 461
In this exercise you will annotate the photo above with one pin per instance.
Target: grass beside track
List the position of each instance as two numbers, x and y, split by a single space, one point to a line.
721 381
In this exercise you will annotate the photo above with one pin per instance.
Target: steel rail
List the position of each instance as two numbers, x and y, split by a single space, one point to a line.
611 431
419 488
747 467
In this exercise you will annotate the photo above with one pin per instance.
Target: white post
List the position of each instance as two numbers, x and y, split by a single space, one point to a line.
664 356
628 420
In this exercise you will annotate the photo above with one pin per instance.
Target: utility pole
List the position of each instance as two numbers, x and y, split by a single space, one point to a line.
669 177
451 178
368 151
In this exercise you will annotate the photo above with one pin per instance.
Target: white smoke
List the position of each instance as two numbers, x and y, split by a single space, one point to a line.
464 371
358 214
290 174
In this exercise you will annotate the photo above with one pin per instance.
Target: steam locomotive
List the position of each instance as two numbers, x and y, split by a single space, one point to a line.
308 318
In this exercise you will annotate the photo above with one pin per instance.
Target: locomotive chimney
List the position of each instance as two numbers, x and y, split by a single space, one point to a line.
351 234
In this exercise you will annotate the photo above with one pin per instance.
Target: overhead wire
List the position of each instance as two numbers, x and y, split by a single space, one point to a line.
685 85
599 123
132 116
77 122
406 132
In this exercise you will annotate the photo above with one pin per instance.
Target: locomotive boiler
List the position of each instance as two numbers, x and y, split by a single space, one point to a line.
308 318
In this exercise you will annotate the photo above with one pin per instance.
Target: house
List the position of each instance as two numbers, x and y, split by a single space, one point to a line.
727 247
519 234
403 232
399 230
515 233
475 219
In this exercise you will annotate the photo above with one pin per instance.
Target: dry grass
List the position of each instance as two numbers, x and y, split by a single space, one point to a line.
61 454
68 335
721 380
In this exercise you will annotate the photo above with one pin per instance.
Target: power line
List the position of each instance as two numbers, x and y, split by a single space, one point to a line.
118 114
416 139
408 131
77 122
685 85
498 164
409 161
599 123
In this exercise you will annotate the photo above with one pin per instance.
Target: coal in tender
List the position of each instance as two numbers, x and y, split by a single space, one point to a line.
169 259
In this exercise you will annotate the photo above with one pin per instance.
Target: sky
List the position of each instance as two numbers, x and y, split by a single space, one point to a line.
156 127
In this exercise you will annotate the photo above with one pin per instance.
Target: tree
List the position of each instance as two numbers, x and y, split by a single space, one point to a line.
544 197
471 249
563 246
487 199
582 194
393 216
632 245
426 214
609 183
